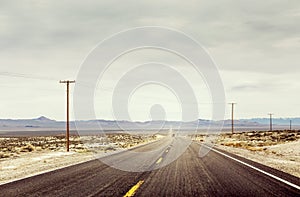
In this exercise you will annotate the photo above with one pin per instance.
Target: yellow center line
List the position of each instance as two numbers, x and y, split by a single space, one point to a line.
159 160
132 191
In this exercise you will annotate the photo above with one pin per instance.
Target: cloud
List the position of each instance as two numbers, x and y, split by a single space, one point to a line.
51 38
245 88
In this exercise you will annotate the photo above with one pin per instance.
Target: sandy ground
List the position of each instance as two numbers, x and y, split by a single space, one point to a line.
33 163
284 157
22 157
279 150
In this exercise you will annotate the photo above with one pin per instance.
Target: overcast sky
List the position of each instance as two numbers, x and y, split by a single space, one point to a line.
255 44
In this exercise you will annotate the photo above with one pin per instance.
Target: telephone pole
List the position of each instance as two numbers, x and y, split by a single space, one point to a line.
271 121
232 121
68 126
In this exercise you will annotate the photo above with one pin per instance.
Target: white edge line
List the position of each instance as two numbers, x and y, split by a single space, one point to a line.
255 168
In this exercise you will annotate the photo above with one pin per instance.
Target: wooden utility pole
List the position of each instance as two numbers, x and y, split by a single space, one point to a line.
68 126
232 117
271 124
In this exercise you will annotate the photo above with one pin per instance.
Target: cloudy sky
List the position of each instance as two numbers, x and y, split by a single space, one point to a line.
255 44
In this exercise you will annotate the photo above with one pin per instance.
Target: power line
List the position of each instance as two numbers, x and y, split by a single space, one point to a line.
27 76
82 83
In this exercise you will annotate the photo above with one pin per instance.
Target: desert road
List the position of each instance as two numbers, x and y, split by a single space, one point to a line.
217 174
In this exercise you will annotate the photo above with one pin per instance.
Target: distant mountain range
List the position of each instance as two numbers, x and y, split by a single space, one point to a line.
277 121
43 123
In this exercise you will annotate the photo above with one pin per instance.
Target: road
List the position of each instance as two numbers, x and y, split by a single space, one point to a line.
217 174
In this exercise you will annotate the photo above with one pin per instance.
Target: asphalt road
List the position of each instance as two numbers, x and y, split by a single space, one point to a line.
215 174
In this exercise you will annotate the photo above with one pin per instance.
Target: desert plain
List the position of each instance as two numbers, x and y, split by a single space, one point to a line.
21 157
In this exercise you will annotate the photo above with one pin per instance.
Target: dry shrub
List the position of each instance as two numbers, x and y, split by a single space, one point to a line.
82 150
254 148
27 148
269 143
228 143
38 148
236 144
4 155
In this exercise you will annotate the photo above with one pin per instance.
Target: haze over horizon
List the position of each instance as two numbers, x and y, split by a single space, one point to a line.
45 118
256 46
